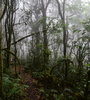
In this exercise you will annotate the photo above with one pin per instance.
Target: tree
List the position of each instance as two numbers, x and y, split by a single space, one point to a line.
1 64
45 43
61 11
9 27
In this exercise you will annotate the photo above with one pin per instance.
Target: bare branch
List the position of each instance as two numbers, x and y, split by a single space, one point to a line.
48 3
59 9
64 9
22 38
5 8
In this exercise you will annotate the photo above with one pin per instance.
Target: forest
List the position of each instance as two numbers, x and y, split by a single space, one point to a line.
44 49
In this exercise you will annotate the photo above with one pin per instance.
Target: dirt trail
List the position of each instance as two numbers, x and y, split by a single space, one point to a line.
32 90
26 78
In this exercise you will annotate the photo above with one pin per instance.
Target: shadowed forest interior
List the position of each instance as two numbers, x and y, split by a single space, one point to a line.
44 49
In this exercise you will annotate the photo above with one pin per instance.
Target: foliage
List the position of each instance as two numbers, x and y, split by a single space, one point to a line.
55 87
13 89
56 53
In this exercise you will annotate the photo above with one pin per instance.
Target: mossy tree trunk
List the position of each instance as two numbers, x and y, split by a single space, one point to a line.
2 13
9 24
1 65
45 42
61 11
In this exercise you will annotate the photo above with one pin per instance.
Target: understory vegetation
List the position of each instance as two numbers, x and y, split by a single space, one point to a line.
44 50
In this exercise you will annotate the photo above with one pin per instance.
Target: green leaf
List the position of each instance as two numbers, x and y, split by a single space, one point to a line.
54 91
42 91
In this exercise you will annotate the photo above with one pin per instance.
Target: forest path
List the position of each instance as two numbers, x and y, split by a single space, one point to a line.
26 79
32 90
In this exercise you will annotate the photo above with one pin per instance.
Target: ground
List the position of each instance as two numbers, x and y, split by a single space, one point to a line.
27 79
32 90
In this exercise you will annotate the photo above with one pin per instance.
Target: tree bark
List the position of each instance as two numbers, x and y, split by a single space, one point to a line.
1 65
62 15
45 42
9 23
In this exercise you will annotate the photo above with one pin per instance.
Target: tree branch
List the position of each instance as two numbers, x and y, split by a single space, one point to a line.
22 39
5 8
59 9
5 49
48 3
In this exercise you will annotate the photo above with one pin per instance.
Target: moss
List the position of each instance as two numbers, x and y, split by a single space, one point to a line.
1 64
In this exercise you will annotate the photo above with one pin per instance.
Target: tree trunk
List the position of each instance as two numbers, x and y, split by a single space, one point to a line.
45 43
9 24
1 65
62 15
15 50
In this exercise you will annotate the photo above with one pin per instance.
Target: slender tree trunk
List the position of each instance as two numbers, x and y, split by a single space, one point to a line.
38 48
46 56
1 65
8 36
9 23
45 43
13 5
64 42
62 15
15 50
